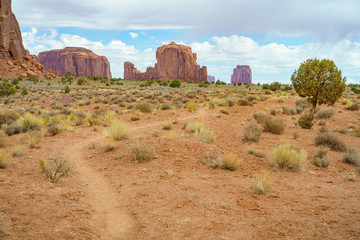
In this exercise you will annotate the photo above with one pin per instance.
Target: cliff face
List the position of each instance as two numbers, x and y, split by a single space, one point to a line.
174 61
11 45
79 61
241 74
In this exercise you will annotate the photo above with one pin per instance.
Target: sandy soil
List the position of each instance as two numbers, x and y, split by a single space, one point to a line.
175 196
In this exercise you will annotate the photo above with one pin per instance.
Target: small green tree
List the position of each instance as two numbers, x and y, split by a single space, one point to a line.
175 83
24 91
67 89
320 81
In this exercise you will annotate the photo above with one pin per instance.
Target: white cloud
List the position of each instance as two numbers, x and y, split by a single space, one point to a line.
134 35
321 19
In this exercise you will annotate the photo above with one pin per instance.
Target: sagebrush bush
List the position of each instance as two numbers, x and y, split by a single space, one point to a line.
167 125
56 168
13 128
305 121
289 157
330 141
260 117
119 130
320 159
251 133
205 135
352 156
243 102
5 159
273 125
262 182
324 113
141 152
30 122
191 106
194 126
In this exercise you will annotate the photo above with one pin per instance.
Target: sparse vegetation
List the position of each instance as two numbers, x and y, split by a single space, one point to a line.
119 130
251 133
289 157
331 141
205 135
320 159
231 161
141 152
194 126
56 168
262 182
256 153
30 122
305 121
5 159
352 156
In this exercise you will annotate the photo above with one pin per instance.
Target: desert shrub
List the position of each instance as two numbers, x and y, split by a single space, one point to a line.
289 157
289 111
165 106
17 151
108 117
303 103
352 156
119 130
205 135
141 152
56 168
256 153
320 159
231 161
134 117
262 182
110 146
352 105
5 159
273 112
194 126
330 141
12 129
355 132
224 111
324 113
33 139
273 125
212 160
243 102
322 123
144 107
260 117
352 177
30 122
191 106
251 133
305 121
2 139
175 83
167 125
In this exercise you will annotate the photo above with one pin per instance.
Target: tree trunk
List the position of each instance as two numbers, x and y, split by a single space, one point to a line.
313 110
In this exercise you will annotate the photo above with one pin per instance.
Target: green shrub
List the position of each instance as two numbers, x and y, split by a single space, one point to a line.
67 89
175 83
352 156
119 130
305 121
30 122
289 157
320 159
24 91
330 141
141 152
251 133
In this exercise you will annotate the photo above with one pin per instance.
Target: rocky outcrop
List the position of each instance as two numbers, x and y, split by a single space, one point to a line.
242 74
210 79
14 59
174 61
81 62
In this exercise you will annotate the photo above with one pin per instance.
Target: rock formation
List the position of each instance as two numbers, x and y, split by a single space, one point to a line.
210 79
15 60
174 61
79 61
242 74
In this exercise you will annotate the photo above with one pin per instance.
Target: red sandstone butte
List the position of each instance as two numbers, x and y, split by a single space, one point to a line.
81 62
174 61
241 74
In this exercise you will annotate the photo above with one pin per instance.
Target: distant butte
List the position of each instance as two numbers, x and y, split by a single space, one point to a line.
242 74
174 61
81 62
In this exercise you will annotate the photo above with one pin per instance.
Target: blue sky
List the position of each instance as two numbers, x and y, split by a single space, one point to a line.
272 36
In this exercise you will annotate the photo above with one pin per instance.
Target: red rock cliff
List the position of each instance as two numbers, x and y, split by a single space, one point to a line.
79 61
174 61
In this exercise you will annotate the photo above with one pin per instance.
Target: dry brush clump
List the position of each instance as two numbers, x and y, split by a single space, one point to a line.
331 141
256 153
352 156
30 122
251 133
269 124
194 126
230 161
324 113
5 159
262 182
289 157
56 168
141 152
320 159
118 130
205 135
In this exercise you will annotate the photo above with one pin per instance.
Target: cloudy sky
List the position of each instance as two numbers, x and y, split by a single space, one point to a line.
272 36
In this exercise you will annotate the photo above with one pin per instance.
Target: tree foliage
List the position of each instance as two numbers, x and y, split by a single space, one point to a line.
6 89
320 81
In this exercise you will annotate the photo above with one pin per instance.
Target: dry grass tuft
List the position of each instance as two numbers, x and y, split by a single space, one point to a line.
56 168
231 161
119 130
289 157
352 156
205 135
141 152
320 159
330 141
251 133
5 159
262 182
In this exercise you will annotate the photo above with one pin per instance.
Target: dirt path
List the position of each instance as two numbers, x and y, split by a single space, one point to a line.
110 218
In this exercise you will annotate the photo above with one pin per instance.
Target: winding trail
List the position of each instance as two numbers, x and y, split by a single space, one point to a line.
110 218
